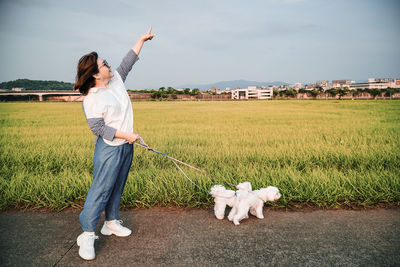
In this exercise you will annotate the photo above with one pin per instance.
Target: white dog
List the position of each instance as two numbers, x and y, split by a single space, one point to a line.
224 197
253 201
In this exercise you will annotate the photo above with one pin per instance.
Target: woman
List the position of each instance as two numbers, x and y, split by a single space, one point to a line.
108 111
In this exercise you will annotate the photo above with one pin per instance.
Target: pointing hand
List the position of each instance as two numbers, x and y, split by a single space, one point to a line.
148 35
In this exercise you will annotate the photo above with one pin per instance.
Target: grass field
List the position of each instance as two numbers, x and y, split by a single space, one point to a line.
320 153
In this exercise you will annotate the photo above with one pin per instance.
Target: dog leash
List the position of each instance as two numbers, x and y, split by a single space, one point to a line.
143 144
174 160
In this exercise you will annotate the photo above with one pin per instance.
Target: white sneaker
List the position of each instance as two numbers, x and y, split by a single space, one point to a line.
115 227
85 242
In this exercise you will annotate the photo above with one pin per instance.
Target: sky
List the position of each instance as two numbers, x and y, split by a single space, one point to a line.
207 41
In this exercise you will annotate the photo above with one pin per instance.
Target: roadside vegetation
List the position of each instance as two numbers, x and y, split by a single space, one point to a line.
372 93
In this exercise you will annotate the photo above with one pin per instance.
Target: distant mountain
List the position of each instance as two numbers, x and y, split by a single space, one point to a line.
231 84
36 85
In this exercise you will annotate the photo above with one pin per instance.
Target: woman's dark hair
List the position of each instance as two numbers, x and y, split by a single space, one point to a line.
87 67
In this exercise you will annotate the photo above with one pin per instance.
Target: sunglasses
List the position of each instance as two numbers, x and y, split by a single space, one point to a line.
105 63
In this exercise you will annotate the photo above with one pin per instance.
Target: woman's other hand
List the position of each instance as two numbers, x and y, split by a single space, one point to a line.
130 137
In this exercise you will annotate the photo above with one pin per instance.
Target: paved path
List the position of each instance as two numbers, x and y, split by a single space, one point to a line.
193 237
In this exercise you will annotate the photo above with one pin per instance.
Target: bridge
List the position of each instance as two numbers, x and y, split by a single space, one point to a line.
74 96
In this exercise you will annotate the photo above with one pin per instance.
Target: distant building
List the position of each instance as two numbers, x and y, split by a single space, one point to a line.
226 91
310 87
214 89
297 86
376 83
341 83
18 89
380 80
284 87
269 87
323 84
252 92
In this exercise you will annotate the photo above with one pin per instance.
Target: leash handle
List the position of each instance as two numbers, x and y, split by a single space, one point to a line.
143 143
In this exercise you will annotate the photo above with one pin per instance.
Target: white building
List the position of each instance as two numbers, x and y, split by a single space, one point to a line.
252 92
376 83
342 83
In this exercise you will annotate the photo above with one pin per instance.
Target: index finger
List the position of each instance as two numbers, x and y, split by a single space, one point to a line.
150 29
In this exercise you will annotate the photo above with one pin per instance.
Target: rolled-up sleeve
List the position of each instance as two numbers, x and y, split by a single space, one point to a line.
99 128
95 118
127 63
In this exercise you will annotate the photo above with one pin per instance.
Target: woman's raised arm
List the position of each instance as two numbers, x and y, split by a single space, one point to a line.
132 56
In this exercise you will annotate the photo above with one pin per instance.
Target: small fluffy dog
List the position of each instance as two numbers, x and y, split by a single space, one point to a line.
253 201
224 197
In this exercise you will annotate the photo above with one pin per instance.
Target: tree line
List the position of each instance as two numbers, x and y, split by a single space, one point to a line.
163 92
41 85
37 85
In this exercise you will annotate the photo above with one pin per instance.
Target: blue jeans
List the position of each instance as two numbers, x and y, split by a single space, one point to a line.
110 169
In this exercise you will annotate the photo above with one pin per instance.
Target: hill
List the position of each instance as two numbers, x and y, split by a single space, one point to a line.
36 85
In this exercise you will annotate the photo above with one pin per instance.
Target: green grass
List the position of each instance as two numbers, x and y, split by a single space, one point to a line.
320 153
